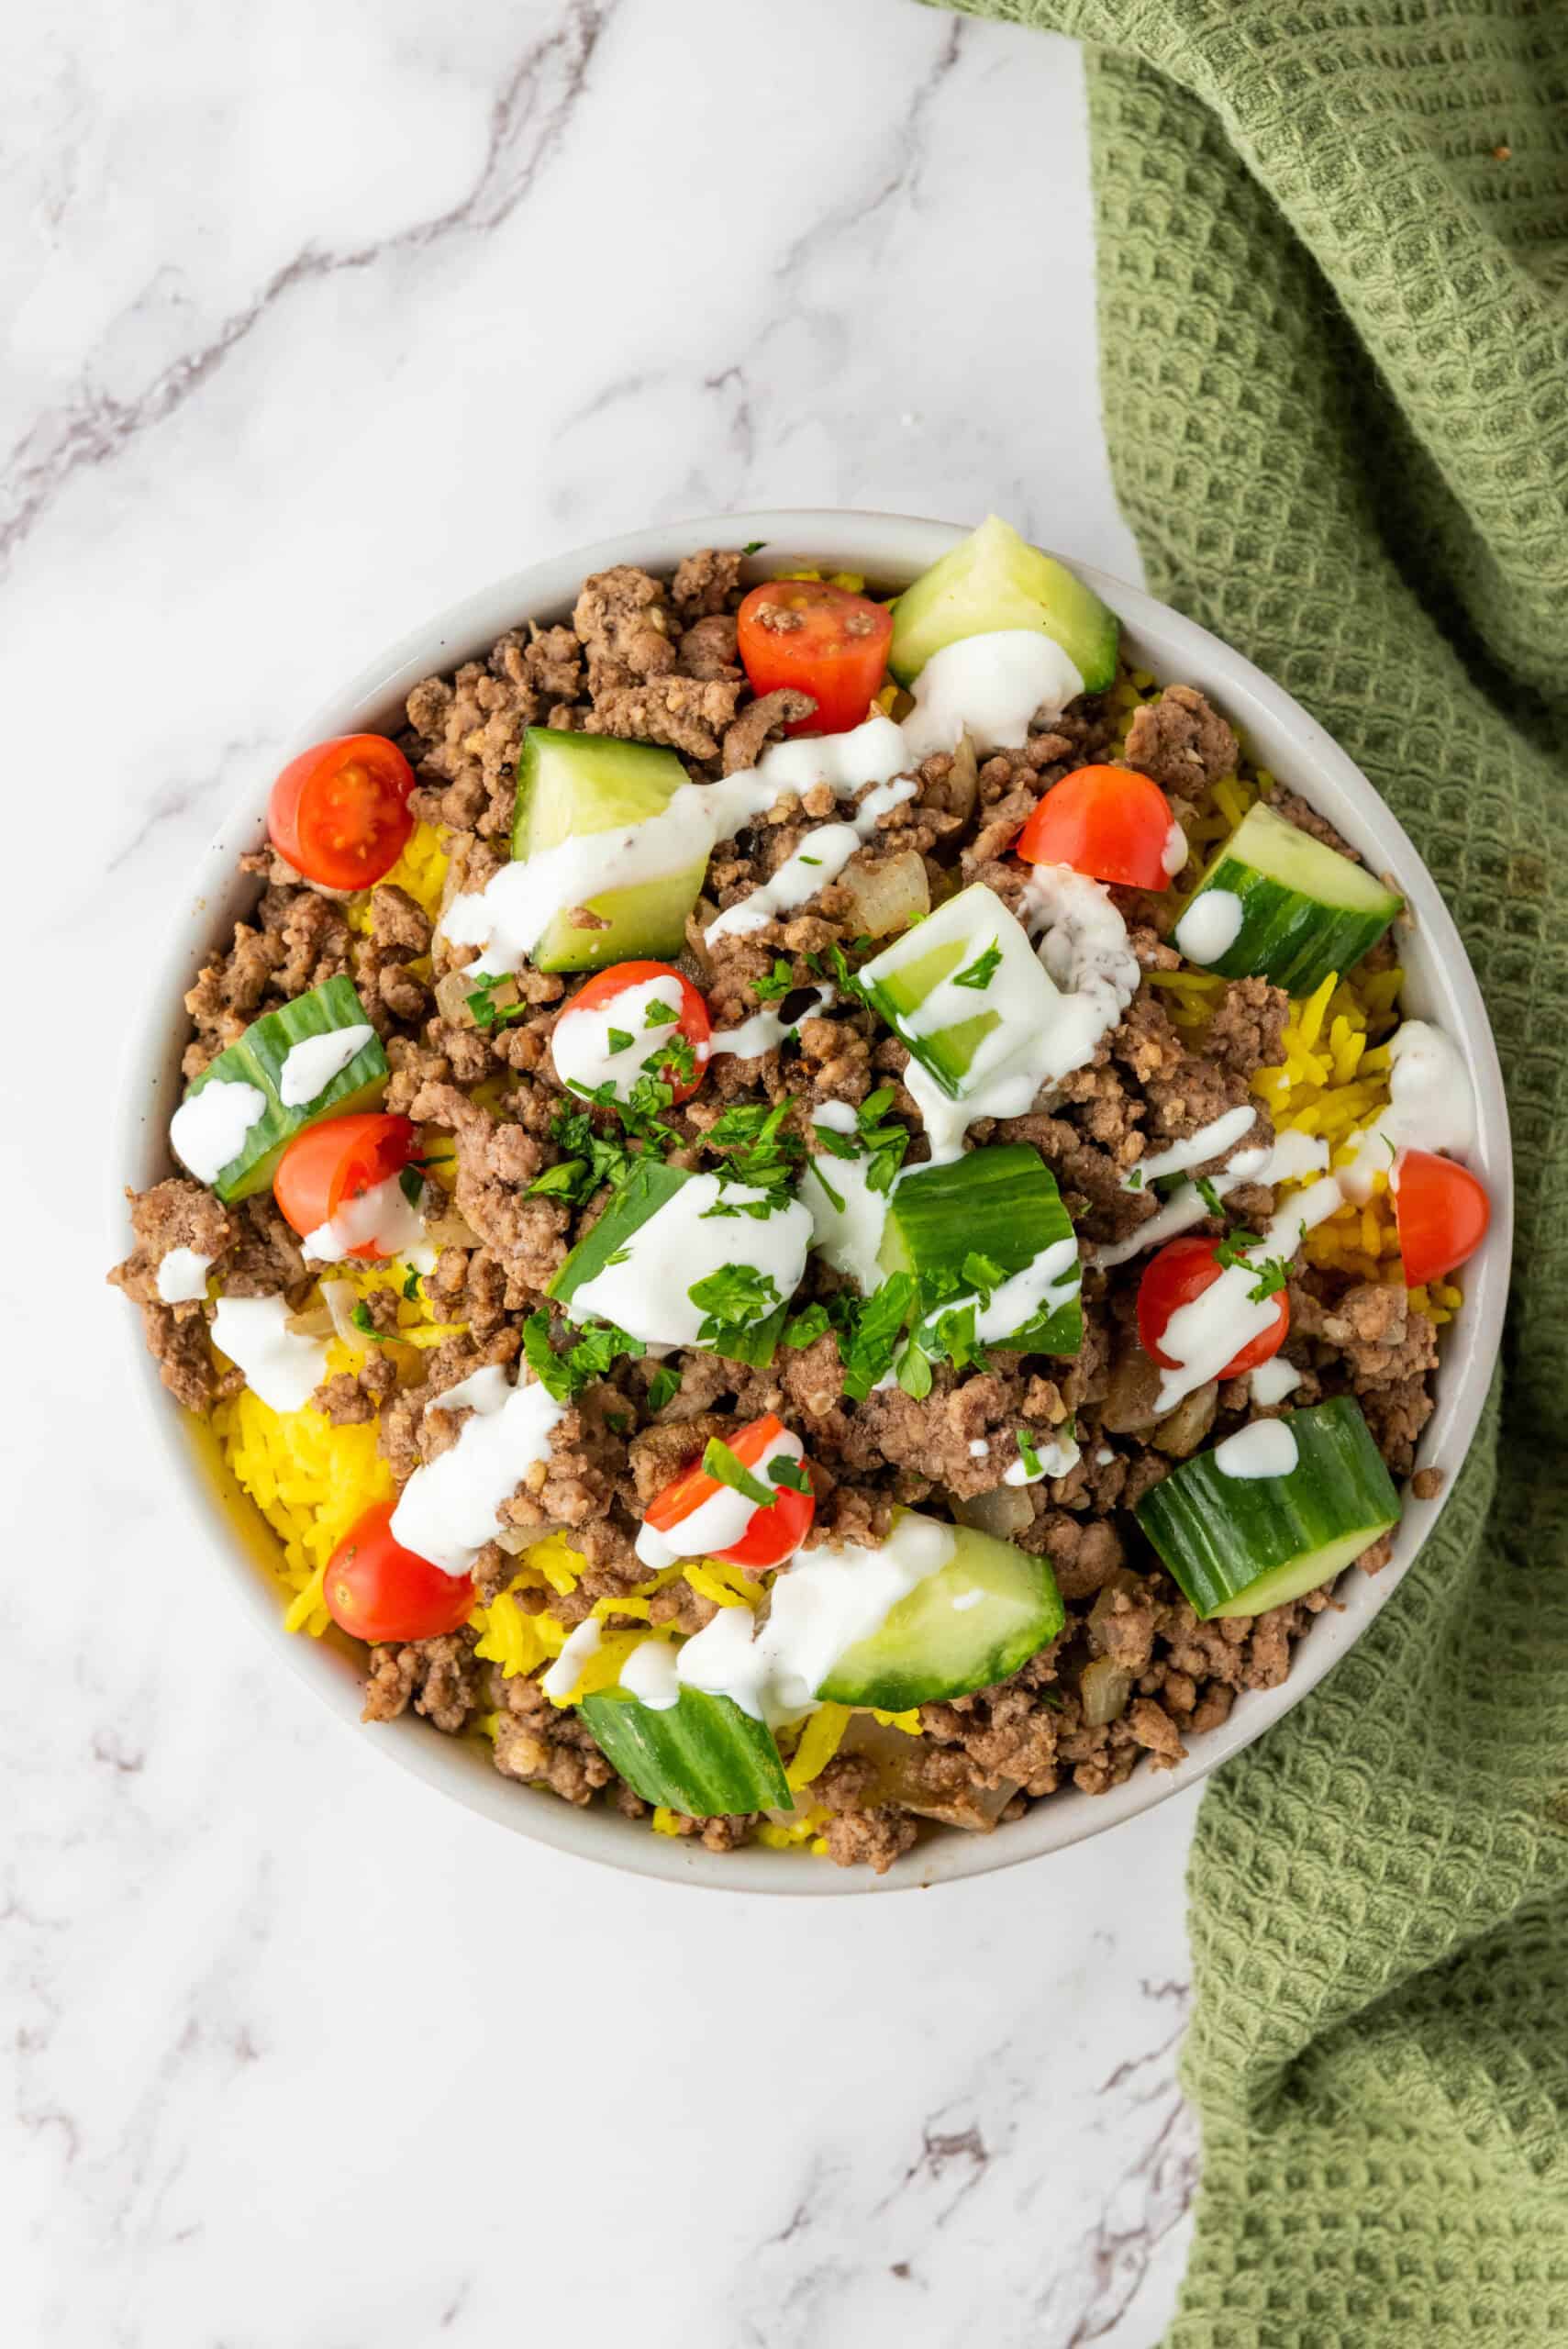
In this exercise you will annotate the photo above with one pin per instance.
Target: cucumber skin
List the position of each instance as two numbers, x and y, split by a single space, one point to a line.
257 1059
702 1756
873 1672
995 579
647 921
1286 937
1283 1516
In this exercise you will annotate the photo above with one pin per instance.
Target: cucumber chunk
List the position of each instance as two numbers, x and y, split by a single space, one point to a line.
969 1625
256 1060
1240 1545
701 1755
933 989
650 1187
1000 1202
573 784
995 579
1306 910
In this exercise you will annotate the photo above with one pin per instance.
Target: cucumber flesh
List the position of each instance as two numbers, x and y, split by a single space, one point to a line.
1238 1545
1305 910
969 1625
959 1033
995 579
701 1755
1001 1201
571 785
256 1060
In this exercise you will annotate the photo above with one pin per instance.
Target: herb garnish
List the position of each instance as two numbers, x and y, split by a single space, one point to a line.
361 1318
412 1185
878 1326
1028 1455
724 1466
411 1287
564 1375
804 1327
619 1039
661 1014
836 1196
779 981
785 1469
482 1008
1208 1194
664 1387
982 970
1232 1249
1272 1275
761 1150
731 1299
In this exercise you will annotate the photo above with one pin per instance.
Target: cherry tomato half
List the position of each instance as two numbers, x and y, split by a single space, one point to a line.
375 1589
824 640
336 1161
773 1533
600 993
1442 1212
1108 822
1183 1270
339 813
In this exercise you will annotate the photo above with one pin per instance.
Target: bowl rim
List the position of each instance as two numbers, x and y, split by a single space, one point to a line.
888 548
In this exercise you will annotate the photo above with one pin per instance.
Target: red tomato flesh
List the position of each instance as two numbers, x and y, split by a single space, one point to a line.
339 812
1181 1270
693 1023
824 640
337 1161
375 1589
1442 1212
774 1533
1106 822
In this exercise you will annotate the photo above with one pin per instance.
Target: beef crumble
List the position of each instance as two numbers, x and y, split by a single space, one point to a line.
655 661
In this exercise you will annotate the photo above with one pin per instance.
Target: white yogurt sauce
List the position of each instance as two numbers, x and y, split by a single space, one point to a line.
382 1218
767 1028
1202 1337
1293 1156
648 1294
209 1128
831 1599
1047 1281
989 688
449 1509
847 1236
1209 1141
1266 1448
182 1275
820 858
279 1366
649 1674
978 1447
567 1670
1210 925
309 1068
1056 1459
1173 856
580 1043
1431 1106
720 1522
1273 1381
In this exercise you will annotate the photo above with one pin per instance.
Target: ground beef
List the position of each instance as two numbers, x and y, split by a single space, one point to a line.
656 661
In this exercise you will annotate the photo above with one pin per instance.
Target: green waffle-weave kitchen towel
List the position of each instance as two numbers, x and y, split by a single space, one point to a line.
1333 268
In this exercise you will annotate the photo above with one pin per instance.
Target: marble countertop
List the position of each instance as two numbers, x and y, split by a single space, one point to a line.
318 318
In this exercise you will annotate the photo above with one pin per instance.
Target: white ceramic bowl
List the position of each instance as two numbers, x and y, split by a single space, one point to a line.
891 550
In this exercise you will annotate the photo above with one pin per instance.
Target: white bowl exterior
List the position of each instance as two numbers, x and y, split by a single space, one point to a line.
890 549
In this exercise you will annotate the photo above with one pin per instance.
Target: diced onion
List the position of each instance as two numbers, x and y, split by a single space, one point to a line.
340 1297
450 1230
1104 1687
315 1322
963 781
889 895
1001 1513
515 1539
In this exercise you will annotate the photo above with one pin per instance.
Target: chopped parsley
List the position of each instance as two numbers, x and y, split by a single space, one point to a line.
411 1287
878 1327
675 1060
785 1469
809 860
754 546
731 1299
1028 1454
412 1185
724 1466
760 1149
1208 1194
831 965
804 1329
982 970
1232 1249
562 1182
778 982
664 1387
1272 1276
661 1014
483 1007
836 1196
1135 1180
361 1318
564 1375
619 1039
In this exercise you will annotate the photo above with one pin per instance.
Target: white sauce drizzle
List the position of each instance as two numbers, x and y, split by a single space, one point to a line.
1051 1279
1293 1156
1208 1142
718 1522
1274 1380
209 1128
1056 1458
766 1029
449 1509
649 1674
1431 1106
381 1218
831 1599
1210 925
182 1275
849 1237
1176 852
680 1244
309 1068
279 1366
989 688
1264 1448
567 1670
819 859
580 1042
978 1447
1202 1337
